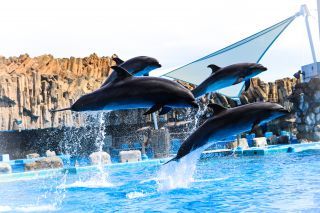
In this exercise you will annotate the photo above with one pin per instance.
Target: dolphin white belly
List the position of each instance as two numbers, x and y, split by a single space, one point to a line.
128 105
220 84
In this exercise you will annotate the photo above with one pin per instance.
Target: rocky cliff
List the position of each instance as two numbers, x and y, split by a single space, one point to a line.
306 99
30 87
277 92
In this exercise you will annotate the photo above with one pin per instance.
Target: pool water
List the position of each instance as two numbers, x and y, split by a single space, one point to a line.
271 183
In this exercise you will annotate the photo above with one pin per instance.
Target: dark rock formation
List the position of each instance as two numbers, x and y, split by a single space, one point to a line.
306 99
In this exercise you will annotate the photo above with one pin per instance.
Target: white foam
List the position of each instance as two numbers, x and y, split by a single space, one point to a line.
178 174
31 208
133 195
5 209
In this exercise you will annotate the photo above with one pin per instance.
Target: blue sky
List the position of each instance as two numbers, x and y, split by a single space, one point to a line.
175 32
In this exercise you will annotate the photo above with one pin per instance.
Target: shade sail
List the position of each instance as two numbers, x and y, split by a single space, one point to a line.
250 49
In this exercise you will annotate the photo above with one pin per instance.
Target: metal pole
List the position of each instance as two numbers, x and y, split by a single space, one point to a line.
306 14
318 7
238 140
155 122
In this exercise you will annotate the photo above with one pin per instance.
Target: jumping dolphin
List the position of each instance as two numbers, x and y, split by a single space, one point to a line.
137 66
117 60
228 122
129 92
227 76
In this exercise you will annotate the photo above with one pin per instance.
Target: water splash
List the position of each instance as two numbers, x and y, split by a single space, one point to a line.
72 145
178 174
101 177
102 174
134 195
197 117
52 192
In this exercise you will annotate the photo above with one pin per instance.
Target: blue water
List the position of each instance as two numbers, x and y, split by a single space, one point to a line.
271 183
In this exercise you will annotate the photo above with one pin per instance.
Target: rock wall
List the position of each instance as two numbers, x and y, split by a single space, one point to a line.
306 99
30 87
277 91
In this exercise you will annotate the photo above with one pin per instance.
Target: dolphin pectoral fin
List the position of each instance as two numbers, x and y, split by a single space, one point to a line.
247 84
217 108
214 68
255 125
59 110
154 108
239 80
121 73
164 110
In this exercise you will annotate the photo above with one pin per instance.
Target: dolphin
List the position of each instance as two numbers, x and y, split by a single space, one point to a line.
117 60
137 66
226 122
227 76
129 92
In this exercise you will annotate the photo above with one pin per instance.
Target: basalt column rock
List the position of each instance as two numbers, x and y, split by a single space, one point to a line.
30 87
277 91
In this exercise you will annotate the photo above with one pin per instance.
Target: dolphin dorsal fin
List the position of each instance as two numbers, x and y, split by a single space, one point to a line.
217 108
118 61
121 73
214 68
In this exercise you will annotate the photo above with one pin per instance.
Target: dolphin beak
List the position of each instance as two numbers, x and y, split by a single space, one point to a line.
159 65
258 67
264 69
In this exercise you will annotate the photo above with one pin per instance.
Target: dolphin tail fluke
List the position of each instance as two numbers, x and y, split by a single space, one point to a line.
59 110
173 159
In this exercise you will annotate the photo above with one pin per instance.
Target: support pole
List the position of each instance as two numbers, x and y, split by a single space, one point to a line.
155 122
238 140
318 7
306 13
